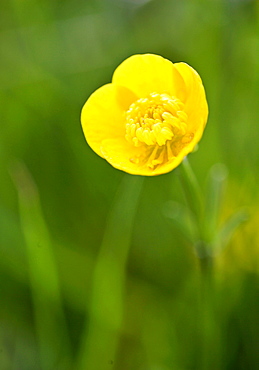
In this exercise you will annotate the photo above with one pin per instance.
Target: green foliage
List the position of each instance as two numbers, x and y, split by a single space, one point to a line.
58 236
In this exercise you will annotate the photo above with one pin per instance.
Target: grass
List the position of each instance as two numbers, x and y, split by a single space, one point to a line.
62 212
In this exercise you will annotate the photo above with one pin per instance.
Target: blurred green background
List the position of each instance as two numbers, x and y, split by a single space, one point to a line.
93 274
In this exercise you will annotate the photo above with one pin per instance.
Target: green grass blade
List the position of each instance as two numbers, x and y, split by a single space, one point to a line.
217 178
230 226
180 216
100 340
51 331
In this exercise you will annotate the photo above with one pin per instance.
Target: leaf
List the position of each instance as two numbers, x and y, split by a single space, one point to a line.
230 226
182 219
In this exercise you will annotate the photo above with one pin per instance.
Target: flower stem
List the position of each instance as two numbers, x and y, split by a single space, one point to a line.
191 188
196 204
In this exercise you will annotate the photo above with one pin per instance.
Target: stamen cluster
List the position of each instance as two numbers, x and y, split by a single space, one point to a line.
155 120
151 115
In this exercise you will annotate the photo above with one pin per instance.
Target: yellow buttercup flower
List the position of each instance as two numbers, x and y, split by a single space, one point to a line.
149 118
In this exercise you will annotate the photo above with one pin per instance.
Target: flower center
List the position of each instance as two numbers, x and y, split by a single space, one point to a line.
158 123
155 120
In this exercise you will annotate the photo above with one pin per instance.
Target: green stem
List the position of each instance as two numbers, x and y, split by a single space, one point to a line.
208 320
195 202
191 188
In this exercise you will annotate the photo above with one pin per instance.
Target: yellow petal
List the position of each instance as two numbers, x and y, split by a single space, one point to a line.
148 73
175 161
102 116
126 157
196 104
122 155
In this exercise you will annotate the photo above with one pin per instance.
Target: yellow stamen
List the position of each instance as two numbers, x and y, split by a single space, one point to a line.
157 121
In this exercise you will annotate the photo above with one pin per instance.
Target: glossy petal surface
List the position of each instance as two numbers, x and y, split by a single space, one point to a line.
102 116
149 118
144 74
